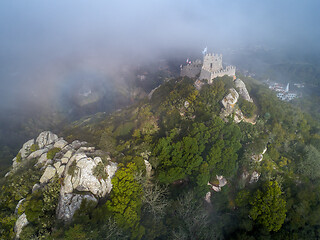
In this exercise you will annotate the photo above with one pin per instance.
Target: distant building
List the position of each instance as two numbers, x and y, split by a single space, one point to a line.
283 94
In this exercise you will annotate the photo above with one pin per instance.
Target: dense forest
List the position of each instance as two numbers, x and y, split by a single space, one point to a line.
188 146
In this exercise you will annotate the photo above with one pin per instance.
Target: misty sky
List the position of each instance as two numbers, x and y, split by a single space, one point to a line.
44 42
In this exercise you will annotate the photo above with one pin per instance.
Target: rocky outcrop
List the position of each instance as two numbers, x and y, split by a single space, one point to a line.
25 150
48 174
20 224
46 138
70 203
242 89
229 106
75 164
230 100
222 183
254 177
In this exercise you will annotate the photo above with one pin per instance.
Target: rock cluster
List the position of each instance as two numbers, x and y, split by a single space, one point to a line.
242 89
75 165
229 106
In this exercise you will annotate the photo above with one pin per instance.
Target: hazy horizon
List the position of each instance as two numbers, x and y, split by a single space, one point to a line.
43 43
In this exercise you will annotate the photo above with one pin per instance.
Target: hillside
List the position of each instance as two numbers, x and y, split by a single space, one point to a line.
222 162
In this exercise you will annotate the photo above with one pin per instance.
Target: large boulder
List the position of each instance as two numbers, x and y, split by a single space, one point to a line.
231 99
48 174
37 153
25 150
240 85
60 144
45 138
20 224
83 179
69 203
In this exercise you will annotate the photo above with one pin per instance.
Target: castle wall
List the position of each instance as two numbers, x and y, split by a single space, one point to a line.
191 70
229 71
205 75
212 62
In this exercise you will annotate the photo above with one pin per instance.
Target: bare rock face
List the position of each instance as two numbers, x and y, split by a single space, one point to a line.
60 144
229 104
231 99
254 177
240 85
42 160
72 163
48 174
45 138
25 150
20 224
83 178
69 203
148 168
37 153
222 180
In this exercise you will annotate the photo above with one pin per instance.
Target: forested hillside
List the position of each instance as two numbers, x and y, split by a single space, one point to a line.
173 150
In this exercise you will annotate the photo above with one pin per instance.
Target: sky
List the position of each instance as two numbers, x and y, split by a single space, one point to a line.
44 42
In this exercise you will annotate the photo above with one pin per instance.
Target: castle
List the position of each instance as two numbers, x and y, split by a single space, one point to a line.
209 69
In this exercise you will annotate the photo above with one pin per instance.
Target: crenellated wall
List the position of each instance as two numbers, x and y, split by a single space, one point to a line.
191 70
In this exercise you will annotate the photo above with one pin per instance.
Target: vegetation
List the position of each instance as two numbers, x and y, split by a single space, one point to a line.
34 147
18 157
52 152
188 145
100 172
269 208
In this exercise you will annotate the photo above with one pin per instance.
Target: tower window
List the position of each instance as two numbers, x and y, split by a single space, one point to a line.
210 65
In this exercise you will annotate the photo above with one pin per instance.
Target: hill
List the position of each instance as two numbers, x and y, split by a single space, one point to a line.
189 166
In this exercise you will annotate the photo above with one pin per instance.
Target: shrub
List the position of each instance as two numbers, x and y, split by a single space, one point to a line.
99 171
52 152
18 157
72 168
34 147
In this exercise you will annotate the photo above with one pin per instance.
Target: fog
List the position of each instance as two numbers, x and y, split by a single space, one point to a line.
44 43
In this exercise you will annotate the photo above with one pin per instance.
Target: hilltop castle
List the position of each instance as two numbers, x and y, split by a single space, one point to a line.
209 69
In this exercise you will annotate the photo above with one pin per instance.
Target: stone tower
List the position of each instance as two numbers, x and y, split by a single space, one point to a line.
212 63
212 68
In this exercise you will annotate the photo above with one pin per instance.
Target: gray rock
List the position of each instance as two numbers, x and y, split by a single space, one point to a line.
18 205
222 181
231 99
57 165
148 168
86 150
83 178
60 143
45 138
76 144
48 174
97 160
111 170
66 157
69 203
254 177
20 224
207 198
25 150
37 153
42 160
60 170
36 187
242 90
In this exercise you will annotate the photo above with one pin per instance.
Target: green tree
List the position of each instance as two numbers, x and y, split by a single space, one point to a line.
310 166
268 207
125 201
